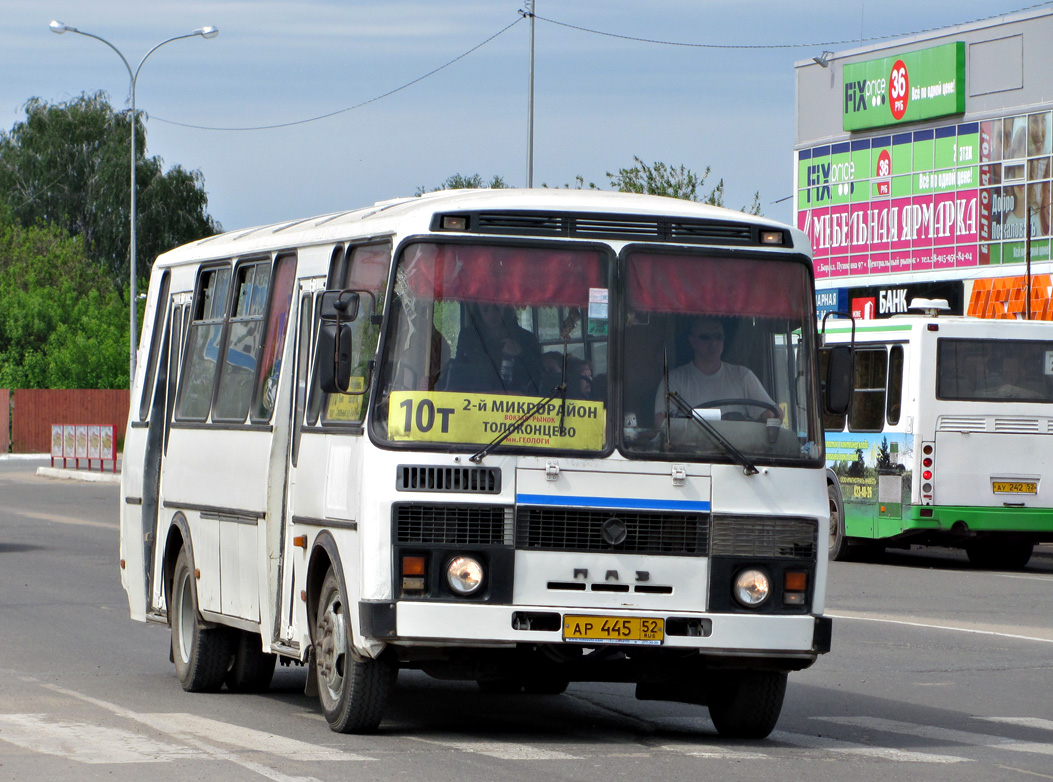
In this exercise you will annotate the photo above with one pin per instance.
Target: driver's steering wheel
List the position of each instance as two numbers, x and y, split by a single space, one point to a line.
774 409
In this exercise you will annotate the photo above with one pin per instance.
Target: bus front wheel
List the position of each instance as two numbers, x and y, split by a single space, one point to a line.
746 704
352 690
202 656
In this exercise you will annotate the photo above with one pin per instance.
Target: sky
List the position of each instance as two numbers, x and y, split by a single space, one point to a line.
399 125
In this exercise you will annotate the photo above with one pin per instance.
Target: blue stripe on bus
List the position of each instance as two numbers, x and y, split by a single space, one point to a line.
610 502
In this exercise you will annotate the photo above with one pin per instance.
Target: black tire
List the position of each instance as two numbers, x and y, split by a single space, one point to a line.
353 691
506 685
202 655
252 668
746 704
545 685
1000 554
839 548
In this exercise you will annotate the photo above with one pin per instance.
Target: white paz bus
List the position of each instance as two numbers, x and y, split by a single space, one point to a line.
947 439
446 433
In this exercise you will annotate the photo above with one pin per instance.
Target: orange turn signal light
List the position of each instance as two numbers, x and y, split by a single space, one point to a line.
413 566
795 581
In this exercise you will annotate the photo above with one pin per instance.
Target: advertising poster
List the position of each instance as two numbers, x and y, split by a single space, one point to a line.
874 471
954 197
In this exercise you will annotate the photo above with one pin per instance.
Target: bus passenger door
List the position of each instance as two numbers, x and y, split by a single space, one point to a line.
153 413
303 466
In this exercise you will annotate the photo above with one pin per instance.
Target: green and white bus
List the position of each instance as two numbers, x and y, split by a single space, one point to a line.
948 437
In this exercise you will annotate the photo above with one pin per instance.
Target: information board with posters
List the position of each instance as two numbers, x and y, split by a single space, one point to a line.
956 196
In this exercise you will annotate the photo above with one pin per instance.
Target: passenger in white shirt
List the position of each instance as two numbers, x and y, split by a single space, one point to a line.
707 378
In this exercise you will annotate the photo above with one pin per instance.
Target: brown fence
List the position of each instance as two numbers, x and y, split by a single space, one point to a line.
5 420
34 410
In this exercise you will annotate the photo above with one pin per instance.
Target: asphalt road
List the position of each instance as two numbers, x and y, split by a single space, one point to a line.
938 672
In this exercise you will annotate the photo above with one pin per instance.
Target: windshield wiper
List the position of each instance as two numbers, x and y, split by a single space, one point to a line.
561 389
747 466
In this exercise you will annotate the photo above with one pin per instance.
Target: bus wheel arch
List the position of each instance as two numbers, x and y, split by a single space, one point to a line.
352 689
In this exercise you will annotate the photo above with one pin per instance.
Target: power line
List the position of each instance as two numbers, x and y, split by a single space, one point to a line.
357 105
656 41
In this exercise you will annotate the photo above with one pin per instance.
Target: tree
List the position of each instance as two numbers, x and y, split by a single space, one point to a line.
884 456
67 165
62 323
461 182
673 181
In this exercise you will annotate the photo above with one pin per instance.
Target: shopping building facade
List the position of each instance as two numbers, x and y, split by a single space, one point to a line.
922 169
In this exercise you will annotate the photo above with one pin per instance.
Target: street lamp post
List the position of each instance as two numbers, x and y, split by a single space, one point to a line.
205 32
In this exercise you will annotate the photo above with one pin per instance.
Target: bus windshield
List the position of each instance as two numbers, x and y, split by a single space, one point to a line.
481 334
727 340
994 370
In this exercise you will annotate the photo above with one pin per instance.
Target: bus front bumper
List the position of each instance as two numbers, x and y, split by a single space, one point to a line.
413 623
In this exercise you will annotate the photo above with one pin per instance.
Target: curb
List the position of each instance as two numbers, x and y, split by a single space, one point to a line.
79 475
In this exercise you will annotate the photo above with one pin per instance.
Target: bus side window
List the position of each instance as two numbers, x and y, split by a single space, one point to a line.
362 268
895 385
203 344
241 346
867 412
274 338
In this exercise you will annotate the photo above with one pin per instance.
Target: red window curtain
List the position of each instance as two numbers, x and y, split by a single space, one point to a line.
718 286
521 276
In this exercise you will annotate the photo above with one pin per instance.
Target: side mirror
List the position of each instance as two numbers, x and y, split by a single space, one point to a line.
837 384
339 306
333 357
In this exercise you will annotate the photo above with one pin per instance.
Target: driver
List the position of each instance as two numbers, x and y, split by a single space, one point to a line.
707 378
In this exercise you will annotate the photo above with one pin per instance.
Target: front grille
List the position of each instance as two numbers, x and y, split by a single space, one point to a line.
463 480
581 529
750 536
459 525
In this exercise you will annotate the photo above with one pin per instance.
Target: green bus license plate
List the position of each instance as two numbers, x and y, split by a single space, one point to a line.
1014 487
613 629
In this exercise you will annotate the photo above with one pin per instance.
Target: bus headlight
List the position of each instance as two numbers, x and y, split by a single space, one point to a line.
464 575
752 587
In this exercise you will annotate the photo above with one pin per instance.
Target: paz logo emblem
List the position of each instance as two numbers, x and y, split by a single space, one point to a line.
614 531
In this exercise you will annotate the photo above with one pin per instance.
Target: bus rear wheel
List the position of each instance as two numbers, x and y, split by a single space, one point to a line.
352 690
838 540
252 668
202 656
746 704
1000 554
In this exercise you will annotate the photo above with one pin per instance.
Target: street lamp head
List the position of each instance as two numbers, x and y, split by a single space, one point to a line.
59 28
206 32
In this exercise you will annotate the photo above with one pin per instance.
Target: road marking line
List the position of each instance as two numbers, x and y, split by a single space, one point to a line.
943 734
62 519
1025 771
87 743
503 750
217 753
712 752
183 724
851 748
941 627
1026 722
